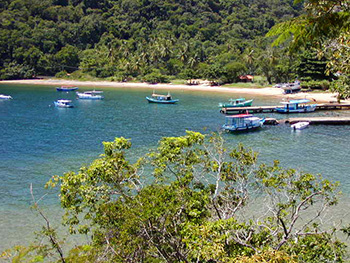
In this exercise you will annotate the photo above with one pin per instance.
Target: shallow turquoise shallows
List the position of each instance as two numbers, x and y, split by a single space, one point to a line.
39 140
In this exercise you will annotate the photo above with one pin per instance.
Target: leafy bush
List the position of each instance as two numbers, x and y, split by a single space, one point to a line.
234 70
62 75
342 87
155 77
312 84
17 71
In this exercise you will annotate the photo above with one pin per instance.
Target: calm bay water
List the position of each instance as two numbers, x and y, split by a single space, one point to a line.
38 140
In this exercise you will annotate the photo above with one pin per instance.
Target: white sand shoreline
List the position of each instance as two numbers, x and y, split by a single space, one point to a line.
270 91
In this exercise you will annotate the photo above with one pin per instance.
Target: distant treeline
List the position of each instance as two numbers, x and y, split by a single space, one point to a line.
144 39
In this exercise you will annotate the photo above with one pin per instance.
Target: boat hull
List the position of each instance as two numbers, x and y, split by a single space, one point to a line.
59 105
247 103
302 110
246 128
91 98
66 89
241 129
83 96
151 100
300 125
5 97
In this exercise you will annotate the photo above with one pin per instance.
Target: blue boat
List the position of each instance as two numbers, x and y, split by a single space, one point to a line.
242 122
66 88
164 99
296 106
63 104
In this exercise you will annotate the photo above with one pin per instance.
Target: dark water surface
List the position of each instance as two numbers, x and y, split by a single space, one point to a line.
38 140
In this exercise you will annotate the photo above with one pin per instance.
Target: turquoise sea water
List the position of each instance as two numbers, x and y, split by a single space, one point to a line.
38 140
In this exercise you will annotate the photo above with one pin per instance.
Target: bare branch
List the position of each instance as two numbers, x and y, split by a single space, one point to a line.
52 239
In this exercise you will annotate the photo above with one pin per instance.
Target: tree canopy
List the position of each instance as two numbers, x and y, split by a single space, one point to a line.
128 39
326 27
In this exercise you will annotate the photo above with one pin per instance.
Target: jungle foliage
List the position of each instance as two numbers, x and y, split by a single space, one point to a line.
325 26
191 200
129 39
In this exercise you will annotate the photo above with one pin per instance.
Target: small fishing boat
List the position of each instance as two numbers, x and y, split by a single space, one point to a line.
300 125
242 122
290 88
296 106
64 103
91 95
240 102
5 97
164 99
66 88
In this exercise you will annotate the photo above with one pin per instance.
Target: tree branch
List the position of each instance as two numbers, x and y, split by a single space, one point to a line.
52 239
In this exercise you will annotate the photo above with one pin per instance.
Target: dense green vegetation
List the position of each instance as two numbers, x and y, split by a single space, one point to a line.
324 27
190 200
128 39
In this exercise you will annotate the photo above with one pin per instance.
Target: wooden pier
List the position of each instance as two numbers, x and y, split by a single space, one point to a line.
266 109
319 120
254 109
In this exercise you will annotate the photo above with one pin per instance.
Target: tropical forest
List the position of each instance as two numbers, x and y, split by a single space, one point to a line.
191 197
155 40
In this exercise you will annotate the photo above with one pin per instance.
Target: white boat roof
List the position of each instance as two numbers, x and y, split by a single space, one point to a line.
95 91
92 92
64 100
296 101
160 95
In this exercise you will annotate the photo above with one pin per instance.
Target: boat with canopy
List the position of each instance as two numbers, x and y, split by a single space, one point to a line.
163 99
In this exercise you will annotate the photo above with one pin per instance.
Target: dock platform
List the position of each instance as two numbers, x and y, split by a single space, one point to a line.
320 120
266 109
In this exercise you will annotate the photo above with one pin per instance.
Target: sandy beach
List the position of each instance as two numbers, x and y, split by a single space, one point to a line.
325 97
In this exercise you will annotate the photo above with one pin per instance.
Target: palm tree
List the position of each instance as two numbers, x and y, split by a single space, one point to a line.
249 60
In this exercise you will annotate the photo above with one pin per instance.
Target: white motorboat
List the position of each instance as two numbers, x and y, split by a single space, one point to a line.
300 125
64 103
5 97
90 95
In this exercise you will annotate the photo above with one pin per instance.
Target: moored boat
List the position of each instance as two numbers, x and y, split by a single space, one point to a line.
91 95
5 97
163 99
242 122
300 125
64 103
240 102
289 88
66 88
296 106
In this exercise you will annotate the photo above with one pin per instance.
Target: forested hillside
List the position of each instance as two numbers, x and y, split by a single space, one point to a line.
132 38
